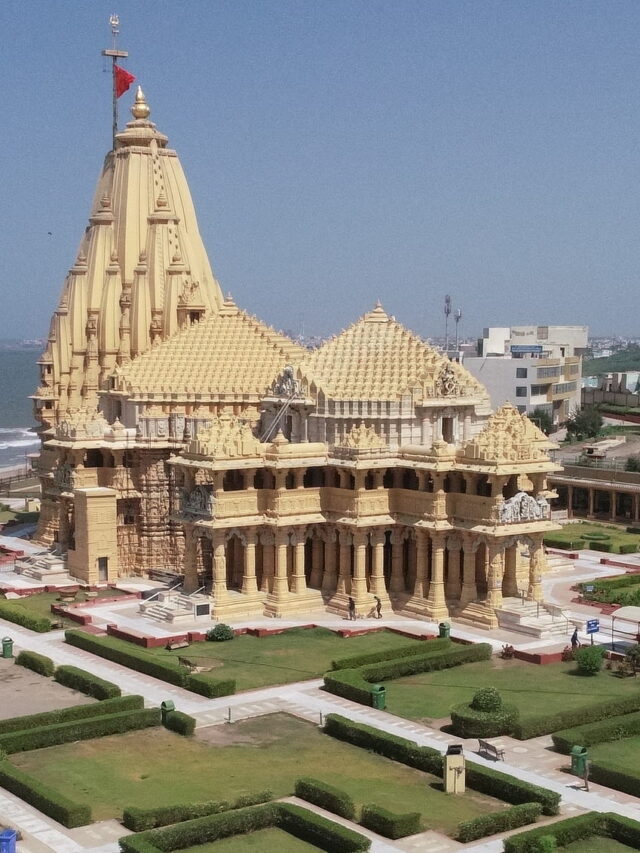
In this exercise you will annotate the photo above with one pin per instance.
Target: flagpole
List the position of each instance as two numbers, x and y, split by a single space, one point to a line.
114 53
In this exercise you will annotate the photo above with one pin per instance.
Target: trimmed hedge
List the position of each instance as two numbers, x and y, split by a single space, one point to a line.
420 647
564 831
109 724
326 796
565 544
601 774
624 829
613 728
45 799
75 712
389 824
391 746
491 824
178 722
602 546
355 684
572 717
21 616
139 820
38 663
469 722
292 819
137 659
85 682
509 788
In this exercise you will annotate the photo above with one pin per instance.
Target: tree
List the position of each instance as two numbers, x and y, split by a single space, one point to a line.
632 463
542 419
584 423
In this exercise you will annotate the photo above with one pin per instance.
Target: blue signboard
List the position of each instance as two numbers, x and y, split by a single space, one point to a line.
593 626
526 348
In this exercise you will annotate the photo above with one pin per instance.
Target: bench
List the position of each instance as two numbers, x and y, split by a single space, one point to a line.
178 644
490 750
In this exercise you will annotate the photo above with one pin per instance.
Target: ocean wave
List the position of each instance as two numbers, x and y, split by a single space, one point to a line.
5 445
17 430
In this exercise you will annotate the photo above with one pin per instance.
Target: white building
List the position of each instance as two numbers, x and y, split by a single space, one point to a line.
532 367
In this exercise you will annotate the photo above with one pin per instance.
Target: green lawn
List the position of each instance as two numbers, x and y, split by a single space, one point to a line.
535 690
157 767
622 755
595 844
262 841
40 604
571 534
282 658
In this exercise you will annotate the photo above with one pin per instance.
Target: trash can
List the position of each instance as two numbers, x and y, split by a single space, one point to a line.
379 697
444 629
7 647
165 707
8 838
579 758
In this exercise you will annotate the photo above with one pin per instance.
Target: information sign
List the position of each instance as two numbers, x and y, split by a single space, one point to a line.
593 626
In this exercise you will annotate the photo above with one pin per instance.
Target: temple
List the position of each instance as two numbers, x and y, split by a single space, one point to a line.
182 435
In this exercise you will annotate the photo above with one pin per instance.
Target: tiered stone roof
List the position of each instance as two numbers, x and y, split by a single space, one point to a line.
227 353
508 437
379 359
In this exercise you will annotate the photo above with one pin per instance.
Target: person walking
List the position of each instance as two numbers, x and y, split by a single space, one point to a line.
352 608
378 607
574 640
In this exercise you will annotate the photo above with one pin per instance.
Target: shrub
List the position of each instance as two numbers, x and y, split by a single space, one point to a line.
67 732
206 686
601 546
38 663
487 699
589 660
509 788
21 616
613 728
416 648
564 544
326 796
389 824
391 746
75 712
611 777
484 716
45 799
595 537
624 829
627 548
491 824
220 633
564 832
139 820
575 717
178 722
317 830
85 682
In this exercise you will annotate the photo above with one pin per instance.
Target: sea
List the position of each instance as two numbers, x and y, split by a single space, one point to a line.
18 378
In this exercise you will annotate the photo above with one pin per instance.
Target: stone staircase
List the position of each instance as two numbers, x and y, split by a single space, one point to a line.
48 567
559 563
545 621
170 606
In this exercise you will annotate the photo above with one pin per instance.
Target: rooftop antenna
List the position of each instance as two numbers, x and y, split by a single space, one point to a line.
457 317
115 54
447 311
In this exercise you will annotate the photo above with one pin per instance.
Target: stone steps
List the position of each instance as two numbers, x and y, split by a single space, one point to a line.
532 618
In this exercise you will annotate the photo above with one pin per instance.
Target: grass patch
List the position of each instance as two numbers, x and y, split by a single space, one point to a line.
535 690
270 840
595 844
622 755
40 604
295 655
111 773
572 536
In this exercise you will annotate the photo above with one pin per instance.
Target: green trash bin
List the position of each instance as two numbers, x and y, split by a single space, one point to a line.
7 647
379 697
444 629
166 706
579 758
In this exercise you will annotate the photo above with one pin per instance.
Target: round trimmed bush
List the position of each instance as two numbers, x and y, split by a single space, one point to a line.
485 716
589 659
220 633
596 537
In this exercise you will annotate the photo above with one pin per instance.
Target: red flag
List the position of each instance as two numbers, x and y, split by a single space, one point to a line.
122 80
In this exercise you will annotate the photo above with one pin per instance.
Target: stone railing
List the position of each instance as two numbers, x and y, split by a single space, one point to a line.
477 508
410 502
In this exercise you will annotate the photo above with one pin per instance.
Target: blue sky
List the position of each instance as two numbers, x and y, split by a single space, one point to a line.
346 150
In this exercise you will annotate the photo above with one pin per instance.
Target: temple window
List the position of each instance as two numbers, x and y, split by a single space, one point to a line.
447 430
93 459
194 316
233 481
369 481
409 479
314 477
290 481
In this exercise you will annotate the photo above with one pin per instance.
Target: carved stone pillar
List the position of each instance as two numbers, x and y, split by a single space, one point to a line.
453 587
376 585
249 583
190 561
317 548
536 559
396 583
421 586
219 590
268 561
510 582
344 568
495 574
378 478
591 502
359 580
436 602
298 579
280 581
249 479
298 478
469 591
612 505
329 577
569 501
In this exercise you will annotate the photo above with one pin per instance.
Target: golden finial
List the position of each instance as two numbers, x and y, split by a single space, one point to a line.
140 108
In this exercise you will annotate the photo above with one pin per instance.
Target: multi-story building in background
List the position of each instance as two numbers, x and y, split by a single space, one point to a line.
532 367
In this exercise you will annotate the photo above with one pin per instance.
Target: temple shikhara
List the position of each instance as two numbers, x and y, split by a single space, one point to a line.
182 435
